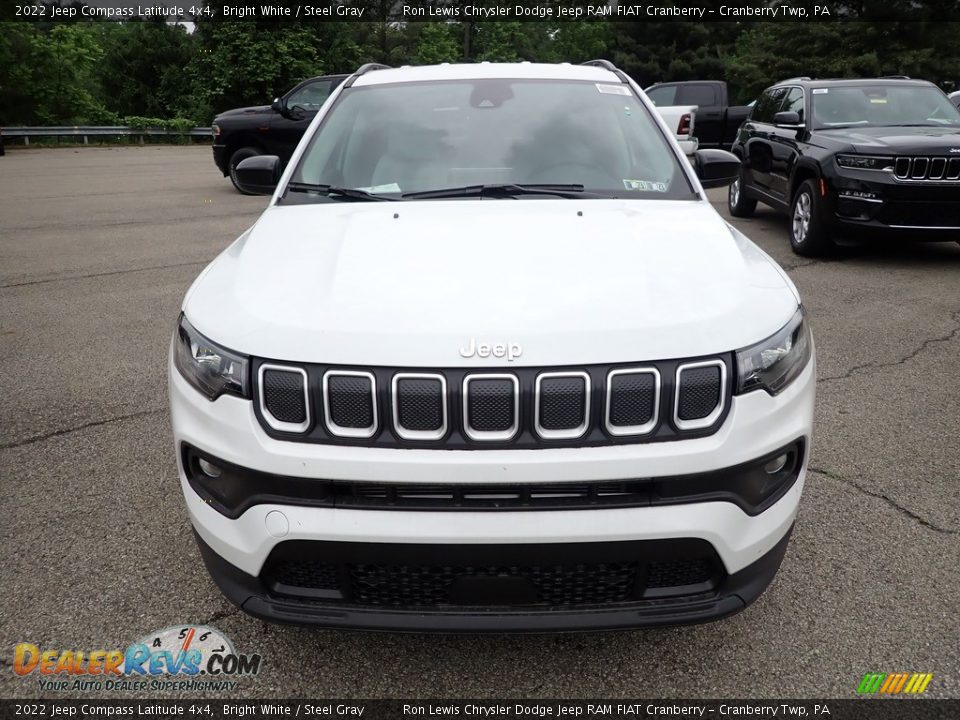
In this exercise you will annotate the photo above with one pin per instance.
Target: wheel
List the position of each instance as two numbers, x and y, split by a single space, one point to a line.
808 232
738 203
235 159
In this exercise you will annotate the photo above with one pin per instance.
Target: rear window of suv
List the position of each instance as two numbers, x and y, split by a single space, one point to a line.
423 136
881 105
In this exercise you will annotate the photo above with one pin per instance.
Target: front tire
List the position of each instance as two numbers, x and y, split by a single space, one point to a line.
738 203
235 159
809 235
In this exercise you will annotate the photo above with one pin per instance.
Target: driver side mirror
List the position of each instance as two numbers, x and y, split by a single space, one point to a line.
715 168
787 119
277 105
259 175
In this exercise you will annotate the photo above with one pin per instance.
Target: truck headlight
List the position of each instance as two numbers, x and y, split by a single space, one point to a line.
211 369
774 363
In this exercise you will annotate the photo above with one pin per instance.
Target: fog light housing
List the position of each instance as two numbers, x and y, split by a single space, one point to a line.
208 468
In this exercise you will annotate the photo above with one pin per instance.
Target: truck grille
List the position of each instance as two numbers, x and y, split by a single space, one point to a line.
471 409
402 576
930 168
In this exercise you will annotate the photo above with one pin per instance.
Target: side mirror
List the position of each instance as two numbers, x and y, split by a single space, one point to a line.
277 105
715 168
787 120
259 175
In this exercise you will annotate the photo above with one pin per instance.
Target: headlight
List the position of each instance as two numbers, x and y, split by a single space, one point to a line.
216 130
865 162
777 361
211 369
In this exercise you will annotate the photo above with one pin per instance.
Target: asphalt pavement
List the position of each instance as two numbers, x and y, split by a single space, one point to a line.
99 245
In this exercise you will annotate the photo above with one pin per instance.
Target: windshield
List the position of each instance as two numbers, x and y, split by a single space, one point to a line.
882 105
425 136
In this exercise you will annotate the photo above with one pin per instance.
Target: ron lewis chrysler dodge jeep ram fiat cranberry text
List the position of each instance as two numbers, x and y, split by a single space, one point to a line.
490 361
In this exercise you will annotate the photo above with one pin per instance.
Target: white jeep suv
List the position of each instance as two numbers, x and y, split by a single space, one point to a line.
490 361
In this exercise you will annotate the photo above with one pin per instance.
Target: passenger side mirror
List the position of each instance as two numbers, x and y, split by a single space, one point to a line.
715 168
259 175
277 105
787 119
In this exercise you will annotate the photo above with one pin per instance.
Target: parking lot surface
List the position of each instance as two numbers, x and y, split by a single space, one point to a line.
98 246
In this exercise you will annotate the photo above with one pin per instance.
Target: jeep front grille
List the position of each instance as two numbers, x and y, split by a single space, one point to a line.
523 408
927 168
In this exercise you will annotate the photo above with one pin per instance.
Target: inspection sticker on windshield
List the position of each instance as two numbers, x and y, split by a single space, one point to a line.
820 91
644 185
613 89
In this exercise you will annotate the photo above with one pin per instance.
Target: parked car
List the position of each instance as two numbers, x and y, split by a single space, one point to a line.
269 129
955 98
491 361
717 121
868 157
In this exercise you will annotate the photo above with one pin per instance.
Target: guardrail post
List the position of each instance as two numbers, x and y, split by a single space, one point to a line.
26 140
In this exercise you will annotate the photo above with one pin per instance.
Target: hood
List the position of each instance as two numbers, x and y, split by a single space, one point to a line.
409 284
240 112
899 140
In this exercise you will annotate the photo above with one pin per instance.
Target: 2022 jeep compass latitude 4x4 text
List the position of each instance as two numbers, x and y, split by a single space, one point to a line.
490 361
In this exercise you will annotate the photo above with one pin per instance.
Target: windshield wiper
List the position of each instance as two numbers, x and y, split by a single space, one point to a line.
336 192
503 190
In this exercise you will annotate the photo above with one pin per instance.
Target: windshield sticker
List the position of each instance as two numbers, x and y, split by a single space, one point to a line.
644 185
820 91
613 89
388 188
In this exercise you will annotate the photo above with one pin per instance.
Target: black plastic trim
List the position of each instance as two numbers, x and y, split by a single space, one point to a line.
733 594
238 489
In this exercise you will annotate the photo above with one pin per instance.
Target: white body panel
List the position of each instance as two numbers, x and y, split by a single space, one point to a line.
627 280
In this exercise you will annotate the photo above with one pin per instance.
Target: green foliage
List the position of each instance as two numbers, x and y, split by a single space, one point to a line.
435 43
149 72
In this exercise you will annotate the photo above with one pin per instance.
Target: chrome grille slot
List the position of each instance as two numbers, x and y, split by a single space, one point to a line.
700 393
953 169
633 401
919 168
283 397
562 403
349 403
491 406
937 166
419 403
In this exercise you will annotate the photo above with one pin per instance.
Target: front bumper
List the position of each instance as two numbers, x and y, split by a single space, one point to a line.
729 597
221 158
748 549
875 204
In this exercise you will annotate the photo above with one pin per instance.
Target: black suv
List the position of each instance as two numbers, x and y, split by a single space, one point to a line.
852 157
269 129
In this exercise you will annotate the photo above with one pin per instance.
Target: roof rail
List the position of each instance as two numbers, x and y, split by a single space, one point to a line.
794 79
363 70
895 77
607 65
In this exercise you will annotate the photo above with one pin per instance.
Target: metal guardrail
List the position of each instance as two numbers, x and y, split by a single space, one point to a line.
86 131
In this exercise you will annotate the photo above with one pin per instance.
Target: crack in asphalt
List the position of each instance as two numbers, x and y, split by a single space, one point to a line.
220 615
103 274
66 431
890 501
128 223
952 335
